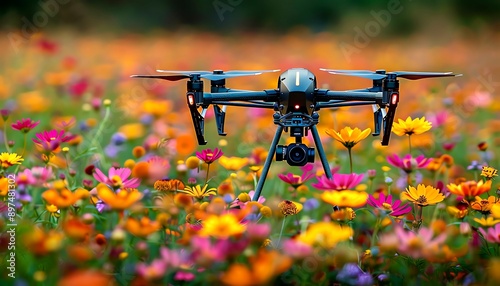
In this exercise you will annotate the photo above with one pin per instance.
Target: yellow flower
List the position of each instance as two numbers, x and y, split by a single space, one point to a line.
489 172
289 208
410 127
222 226
325 234
348 136
10 159
346 198
489 221
456 212
343 214
483 205
132 131
233 163
119 201
470 189
198 192
495 210
423 195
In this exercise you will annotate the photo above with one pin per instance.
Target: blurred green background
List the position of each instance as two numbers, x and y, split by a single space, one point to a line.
236 16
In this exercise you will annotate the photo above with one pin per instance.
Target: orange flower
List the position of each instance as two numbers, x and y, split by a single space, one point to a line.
185 144
76 229
119 201
85 278
41 242
470 189
64 198
141 228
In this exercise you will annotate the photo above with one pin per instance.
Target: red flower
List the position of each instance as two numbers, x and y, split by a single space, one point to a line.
25 125
208 156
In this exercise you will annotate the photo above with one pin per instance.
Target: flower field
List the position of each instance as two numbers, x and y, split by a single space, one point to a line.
103 181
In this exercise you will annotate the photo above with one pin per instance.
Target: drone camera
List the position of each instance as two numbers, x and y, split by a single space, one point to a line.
296 154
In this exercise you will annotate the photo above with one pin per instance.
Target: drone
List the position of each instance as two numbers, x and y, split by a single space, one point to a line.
296 102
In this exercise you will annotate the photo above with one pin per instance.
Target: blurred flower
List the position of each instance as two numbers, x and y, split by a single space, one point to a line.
483 205
168 185
25 125
469 189
132 131
141 227
4 187
408 163
457 211
489 172
347 198
475 165
387 204
288 208
410 127
489 221
185 144
351 274
208 156
297 249
233 163
492 234
64 198
223 226
423 195
418 244
325 234
198 192
343 214
117 178
123 199
41 242
338 182
64 123
482 146
10 159
349 137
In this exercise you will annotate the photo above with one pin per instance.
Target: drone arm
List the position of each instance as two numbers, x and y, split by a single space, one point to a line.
389 118
325 95
265 95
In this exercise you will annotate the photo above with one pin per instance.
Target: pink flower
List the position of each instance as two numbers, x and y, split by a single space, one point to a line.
297 249
25 178
25 125
408 163
51 140
338 182
154 271
42 175
78 88
395 208
117 178
296 180
418 244
208 156
492 234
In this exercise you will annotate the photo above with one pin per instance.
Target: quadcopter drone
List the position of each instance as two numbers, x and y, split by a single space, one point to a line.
296 102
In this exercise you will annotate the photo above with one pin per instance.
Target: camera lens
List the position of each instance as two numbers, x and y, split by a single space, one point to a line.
280 152
297 154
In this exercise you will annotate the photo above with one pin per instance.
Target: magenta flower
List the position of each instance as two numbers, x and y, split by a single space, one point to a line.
117 178
338 182
208 156
420 244
394 207
51 140
492 234
25 125
408 163
296 180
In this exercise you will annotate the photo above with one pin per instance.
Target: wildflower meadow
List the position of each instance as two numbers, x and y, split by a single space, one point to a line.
103 181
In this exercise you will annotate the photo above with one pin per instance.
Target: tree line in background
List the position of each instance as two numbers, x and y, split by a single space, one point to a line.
245 15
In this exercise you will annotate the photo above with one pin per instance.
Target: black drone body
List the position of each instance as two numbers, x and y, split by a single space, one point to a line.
296 102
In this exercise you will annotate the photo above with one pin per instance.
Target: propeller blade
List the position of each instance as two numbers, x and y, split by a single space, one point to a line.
252 71
421 75
371 75
184 72
346 71
219 74
165 77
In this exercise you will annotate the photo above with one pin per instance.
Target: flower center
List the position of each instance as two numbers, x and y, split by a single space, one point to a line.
387 206
422 200
116 180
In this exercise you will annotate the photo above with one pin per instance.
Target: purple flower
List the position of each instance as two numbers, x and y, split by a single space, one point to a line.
408 163
394 207
338 182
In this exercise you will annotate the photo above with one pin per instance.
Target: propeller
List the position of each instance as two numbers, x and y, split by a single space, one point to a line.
382 74
166 77
216 74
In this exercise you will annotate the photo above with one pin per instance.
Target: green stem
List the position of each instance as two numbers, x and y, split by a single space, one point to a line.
101 126
375 232
5 140
206 177
24 144
350 158
281 232
409 142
